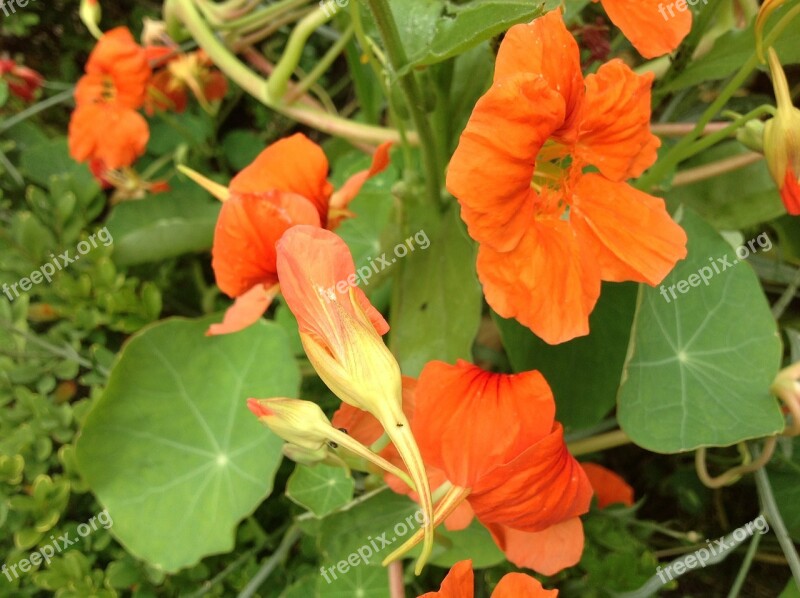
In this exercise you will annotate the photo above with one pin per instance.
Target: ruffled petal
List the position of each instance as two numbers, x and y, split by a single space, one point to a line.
491 170
119 57
629 232
243 254
469 421
614 129
543 486
548 551
294 164
654 27
459 583
547 282
545 47
609 488
108 132
247 309
519 585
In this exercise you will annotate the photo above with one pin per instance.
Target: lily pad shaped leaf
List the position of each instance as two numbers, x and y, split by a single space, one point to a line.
170 448
703 351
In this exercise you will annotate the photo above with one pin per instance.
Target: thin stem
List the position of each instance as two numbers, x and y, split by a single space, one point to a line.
600 442
748 560
708 171
277 557
36 109
322 65
397 588
773 515
410 88
786 297
681 129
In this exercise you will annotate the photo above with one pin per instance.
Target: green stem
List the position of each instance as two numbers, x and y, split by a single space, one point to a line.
600 442
773 515
279 79
387 27
718 136
277 557
748 560
323 65
36 109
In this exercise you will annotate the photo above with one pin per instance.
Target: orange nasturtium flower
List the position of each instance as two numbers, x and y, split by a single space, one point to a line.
654 27
491 441
105 125
286 185
341 334
460 583
180 74
549 231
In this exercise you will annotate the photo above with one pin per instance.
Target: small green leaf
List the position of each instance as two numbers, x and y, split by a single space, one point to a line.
170 448
320 488
700 363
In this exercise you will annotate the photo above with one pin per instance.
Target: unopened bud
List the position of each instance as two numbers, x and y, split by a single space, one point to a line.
90 14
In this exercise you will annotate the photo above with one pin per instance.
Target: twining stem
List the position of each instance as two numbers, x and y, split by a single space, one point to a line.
409 86
322 65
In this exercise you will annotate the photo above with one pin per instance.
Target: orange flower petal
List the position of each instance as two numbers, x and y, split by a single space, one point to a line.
469 421
545 47
119 57
654 27
630 232
547 282
519 585
609 488
541 487
459 583
614 130
294 164
246 310
89 137
248 227
316 271
548 551
491 170
790 193
380 160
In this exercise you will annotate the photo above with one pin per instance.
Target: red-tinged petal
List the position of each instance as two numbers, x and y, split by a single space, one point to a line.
629 232
491 170
614 126
89 137
243 255
469 421
543 486
654 27
548 282
790 193
247 309
459 583
363 426
519 585
609 488
316 271
215 86
545 47
294 164
548 551
380 160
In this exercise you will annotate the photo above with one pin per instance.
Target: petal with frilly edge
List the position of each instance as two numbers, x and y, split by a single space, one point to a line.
628 232
614 126
548 551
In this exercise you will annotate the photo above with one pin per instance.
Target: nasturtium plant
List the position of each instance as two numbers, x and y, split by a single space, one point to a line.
388 298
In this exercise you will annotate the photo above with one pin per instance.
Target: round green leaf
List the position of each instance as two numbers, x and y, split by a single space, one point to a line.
320 488
170 448
700 362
